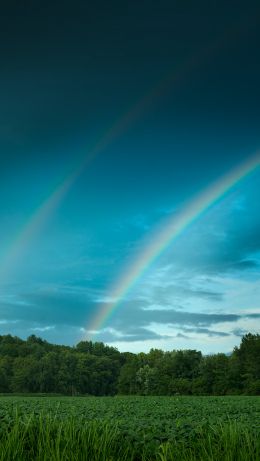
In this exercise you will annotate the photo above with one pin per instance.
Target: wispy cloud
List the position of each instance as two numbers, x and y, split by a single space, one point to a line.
42 329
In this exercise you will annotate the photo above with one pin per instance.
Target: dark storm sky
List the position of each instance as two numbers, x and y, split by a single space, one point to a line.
185 76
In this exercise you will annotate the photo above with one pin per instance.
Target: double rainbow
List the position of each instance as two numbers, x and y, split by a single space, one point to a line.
43 212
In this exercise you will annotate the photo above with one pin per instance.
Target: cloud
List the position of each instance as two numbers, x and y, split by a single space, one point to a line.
205 285
8 322
244 264
253 316
181 289
42 329
205 331
50 306
239 332
146 334
49 310
223 239
181 335
134 322
110 335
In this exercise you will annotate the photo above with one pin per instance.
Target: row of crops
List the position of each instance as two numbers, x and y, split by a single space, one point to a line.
131 428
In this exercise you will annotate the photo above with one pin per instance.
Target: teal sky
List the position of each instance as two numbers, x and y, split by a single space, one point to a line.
190 75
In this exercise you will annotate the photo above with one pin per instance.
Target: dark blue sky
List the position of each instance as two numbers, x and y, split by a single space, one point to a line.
186 78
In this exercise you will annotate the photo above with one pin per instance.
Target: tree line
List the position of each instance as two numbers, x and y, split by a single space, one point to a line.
93 368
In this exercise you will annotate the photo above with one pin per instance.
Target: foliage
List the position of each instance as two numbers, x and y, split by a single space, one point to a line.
36 366
129 428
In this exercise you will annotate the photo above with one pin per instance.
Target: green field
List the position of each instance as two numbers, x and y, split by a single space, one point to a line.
130 428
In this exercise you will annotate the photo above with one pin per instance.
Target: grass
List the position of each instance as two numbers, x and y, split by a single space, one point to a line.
46 437
229 442
129 428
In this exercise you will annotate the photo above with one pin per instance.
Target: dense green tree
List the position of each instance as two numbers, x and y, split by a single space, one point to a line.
10 345
180 386
50 364
146 380
6 371
34 365
26 374
127 376
214 375
248 358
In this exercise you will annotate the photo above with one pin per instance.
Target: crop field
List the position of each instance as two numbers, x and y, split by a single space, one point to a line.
129 428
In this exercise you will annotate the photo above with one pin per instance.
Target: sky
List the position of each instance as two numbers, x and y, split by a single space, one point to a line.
114 117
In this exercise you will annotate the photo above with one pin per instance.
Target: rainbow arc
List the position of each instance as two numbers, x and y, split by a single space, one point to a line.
166 236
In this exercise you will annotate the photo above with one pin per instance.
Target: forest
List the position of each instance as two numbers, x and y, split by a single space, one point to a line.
93 368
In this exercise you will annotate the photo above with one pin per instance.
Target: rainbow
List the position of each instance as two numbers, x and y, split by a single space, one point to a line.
33 226
52 201
166 236
41 215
